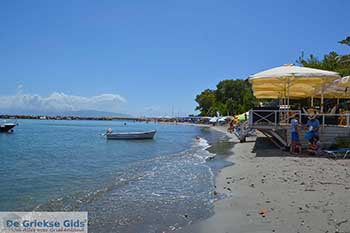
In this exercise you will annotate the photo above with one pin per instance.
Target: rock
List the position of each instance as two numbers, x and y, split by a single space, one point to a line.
263 211
309 190
252 185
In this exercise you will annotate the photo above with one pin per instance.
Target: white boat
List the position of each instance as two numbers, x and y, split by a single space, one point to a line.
130 135
7 127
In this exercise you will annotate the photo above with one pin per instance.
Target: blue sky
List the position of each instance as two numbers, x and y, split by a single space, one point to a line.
152 56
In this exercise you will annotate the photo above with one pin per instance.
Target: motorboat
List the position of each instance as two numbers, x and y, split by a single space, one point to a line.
7 127
130 135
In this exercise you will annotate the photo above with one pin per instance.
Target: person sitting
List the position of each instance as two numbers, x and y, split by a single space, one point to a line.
315 147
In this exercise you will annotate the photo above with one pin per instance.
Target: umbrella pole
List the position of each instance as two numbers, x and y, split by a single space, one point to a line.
322 95
322 99
312 101
288 92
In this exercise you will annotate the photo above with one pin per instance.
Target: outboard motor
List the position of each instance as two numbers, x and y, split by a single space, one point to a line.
109 131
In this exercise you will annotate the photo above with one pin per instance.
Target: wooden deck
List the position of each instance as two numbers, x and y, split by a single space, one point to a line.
269 123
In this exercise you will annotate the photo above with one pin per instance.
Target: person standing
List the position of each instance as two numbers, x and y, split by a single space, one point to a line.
313 126
294 134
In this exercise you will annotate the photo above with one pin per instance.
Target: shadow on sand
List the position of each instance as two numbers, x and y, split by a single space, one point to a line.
265 148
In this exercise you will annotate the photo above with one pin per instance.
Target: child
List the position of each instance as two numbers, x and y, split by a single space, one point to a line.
295 143
298 148
315 147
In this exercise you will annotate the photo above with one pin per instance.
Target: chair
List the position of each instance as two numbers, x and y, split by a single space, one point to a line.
335 153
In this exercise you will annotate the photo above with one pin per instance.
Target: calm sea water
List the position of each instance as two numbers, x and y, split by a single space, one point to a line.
126 186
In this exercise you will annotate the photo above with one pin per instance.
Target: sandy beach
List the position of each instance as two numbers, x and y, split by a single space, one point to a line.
270 191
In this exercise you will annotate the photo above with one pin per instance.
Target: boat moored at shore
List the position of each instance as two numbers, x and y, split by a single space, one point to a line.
7 127
130 135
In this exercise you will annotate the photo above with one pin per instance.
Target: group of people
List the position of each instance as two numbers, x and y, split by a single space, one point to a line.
312 135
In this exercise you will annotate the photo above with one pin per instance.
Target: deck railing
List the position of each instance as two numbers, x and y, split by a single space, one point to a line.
277 118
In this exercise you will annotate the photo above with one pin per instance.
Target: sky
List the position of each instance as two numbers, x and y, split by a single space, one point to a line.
151 57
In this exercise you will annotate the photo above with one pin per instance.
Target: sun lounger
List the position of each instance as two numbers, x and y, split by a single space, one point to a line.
338 152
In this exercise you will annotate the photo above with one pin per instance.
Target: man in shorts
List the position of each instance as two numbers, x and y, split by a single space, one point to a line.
295 143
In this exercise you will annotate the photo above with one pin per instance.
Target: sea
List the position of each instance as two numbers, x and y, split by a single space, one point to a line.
157 185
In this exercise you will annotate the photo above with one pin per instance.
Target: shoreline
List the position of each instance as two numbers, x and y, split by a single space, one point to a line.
268 190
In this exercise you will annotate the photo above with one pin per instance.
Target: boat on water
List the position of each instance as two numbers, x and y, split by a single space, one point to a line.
130 135
7 127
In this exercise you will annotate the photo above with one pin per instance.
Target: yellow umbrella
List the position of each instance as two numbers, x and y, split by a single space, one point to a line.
277 94
335 91
294 90
289 77
343 82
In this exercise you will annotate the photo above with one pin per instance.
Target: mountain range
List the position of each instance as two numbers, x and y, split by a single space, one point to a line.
80 113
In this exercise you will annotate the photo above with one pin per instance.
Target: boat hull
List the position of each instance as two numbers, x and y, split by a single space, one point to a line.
5 128
131 135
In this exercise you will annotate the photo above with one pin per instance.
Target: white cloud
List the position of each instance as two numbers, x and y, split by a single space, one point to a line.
60 102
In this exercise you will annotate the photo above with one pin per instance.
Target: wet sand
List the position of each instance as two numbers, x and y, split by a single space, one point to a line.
270 191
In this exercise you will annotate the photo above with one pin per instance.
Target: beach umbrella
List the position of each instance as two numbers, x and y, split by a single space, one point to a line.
343 82
295 90
287 78
213 119
243 116
278 94
335 91
222 119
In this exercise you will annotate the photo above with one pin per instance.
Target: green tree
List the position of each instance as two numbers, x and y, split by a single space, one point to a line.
218 107
230 89
249 100
205 101
230 97
230 106
331 61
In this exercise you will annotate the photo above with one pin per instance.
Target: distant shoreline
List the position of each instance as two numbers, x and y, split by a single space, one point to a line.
106 118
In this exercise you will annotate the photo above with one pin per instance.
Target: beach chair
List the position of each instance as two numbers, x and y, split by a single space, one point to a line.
338 152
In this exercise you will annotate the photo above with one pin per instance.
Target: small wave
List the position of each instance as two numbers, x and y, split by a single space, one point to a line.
203 145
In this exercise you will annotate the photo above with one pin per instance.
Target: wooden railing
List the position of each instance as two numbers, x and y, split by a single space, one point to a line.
277 118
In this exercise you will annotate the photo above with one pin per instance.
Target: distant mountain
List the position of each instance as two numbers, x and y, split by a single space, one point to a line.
80 113
93 113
